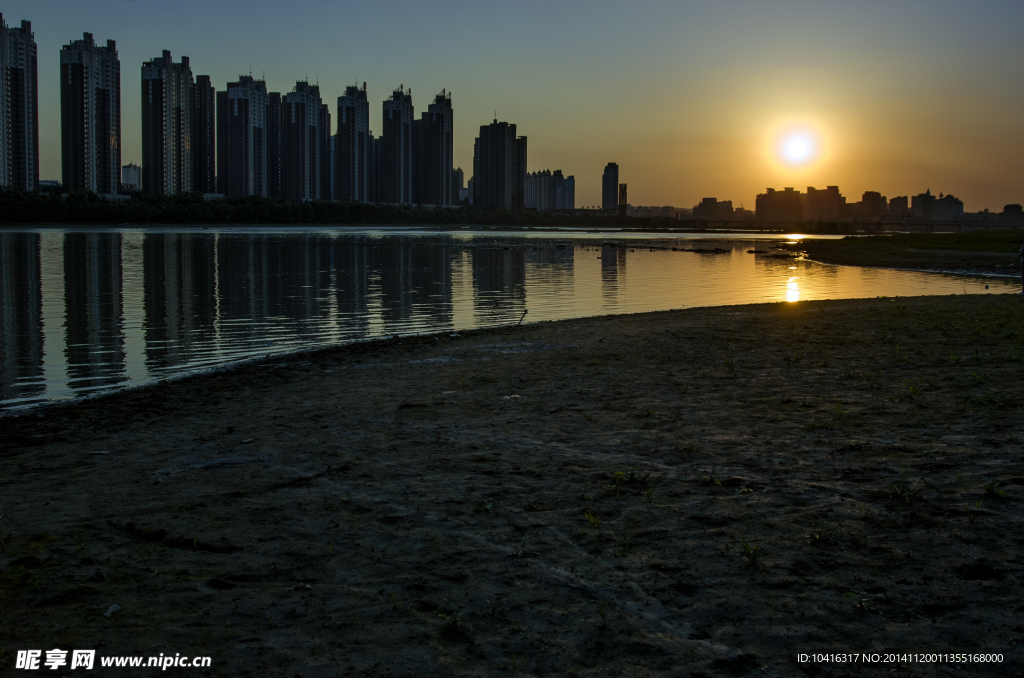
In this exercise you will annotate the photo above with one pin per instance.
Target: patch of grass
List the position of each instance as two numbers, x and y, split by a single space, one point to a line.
752 553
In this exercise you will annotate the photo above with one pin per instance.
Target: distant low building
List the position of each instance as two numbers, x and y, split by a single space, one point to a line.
712 209
131 177
826 204
784 205
944 208
873 204
1012 214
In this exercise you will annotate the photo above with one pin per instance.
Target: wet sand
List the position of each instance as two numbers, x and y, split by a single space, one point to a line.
701 492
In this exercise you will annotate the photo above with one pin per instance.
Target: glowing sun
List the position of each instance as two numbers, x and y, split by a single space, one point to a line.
797 149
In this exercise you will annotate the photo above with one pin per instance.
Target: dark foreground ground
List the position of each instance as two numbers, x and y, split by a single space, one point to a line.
706 492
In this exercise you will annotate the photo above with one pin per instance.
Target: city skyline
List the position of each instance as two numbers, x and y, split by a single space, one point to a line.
904 99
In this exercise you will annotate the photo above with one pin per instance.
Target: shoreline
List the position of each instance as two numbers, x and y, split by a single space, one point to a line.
575 493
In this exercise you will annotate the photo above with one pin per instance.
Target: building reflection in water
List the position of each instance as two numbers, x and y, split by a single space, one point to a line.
93 305
87 309
499 284
21 317
613 266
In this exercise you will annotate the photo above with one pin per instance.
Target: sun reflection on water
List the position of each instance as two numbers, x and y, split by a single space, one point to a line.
792 290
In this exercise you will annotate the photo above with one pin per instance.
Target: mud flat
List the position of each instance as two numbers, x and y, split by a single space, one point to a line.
981 253
702 492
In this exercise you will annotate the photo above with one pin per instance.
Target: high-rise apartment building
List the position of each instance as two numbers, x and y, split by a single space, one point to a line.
351 162
305 144
499 167
565 195
19 108
432 135
326 153
396 171
241 138
610 188
273 134
167 126
204 138
547 190
458 184
375 169
90 116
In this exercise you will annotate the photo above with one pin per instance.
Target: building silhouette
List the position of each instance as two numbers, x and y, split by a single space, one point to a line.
131 177
458 185
899 206
432 139
712 209
167 126
610 188
352 146
204 138
549 190
944 208
396 162
305 144
873 204
90 103
241 138
19 108
273 132
784 205
823 204
499 167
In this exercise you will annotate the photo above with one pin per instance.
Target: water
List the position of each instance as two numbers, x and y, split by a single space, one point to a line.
83 310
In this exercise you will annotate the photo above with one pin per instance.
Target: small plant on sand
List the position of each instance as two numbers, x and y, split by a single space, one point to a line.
397 604
860 603
617 478
591 518
992 489
824 535
972 511
711 477
649 499
633 475
752 553
903 490
453 618
730 364
515 662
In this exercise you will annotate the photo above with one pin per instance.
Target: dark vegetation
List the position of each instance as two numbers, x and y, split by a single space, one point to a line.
83 207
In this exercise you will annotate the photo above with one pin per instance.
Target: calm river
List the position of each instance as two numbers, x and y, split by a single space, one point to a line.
88 309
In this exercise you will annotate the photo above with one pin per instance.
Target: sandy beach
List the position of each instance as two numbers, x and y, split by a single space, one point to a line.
700 492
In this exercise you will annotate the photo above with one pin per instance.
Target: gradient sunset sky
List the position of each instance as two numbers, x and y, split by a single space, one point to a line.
690 98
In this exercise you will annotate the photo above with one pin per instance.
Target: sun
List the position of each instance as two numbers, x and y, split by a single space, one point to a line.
797 149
